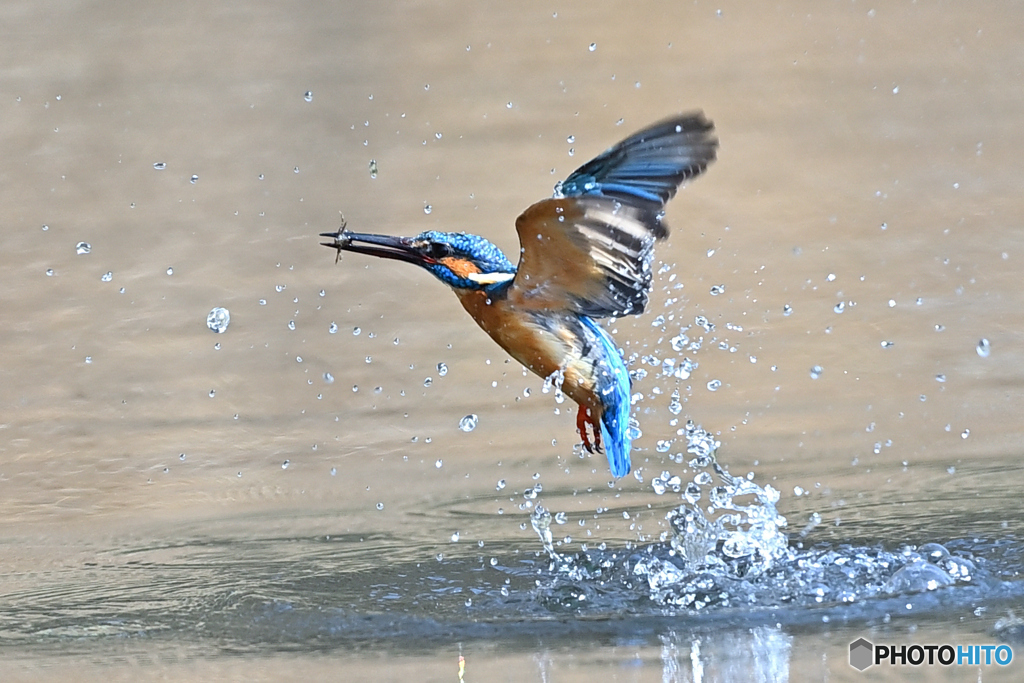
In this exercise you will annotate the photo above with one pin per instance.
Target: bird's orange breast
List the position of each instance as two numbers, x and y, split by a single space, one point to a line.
543 348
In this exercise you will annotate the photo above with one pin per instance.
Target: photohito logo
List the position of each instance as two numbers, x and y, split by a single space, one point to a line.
864 653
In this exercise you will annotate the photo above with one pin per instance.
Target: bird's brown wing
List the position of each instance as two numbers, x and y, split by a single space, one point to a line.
590 247
590 255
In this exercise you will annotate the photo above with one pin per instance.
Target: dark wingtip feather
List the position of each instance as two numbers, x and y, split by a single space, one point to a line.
648 167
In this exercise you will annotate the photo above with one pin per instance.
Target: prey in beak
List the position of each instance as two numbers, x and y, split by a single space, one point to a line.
384 246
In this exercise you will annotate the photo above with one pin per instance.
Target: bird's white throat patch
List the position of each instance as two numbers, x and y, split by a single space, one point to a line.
490 278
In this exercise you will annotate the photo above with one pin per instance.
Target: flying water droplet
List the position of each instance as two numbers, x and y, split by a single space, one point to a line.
373 168
83 248
107 276
468 423
983 348
218 320
442 369
308 96
160 165
816 371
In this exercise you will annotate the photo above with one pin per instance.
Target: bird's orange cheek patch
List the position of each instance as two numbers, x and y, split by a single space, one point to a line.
461 267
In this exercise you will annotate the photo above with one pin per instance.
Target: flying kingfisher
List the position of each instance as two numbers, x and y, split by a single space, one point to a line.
585 254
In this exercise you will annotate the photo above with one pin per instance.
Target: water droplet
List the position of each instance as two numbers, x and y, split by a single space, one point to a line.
170 271
291 324
49 272
966 433
373 168
816 371
213 392
717 289
500 485
787 310
218 320
380 506
107 276
593 46
83 248
160 165
455 537
984 348
88 360
427 208
839 307
468 423
329 378
308 96
285 464
439 464
356 331
442 369
428 381
714 385
333 328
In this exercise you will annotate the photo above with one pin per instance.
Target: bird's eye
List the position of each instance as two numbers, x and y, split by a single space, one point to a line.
439 250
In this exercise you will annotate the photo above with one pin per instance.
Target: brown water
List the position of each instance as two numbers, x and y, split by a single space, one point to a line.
160 485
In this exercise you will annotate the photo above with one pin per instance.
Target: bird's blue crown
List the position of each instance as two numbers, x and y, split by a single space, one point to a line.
483 254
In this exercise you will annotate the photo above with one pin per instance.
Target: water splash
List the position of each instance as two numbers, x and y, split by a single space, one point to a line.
724 547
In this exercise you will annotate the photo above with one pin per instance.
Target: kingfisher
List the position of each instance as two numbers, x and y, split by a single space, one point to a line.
585 254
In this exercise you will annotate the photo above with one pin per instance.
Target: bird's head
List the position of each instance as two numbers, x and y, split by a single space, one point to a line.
459 260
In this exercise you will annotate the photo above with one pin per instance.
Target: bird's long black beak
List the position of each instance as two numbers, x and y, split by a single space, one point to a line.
384 246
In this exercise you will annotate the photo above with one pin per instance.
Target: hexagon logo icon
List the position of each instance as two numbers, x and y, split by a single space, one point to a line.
861 654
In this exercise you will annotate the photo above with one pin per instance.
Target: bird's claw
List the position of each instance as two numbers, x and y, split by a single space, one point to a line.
583 418
341 239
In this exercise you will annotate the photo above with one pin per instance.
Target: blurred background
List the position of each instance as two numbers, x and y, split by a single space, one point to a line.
858 238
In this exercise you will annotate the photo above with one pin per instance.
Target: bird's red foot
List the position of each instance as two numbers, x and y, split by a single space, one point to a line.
583 418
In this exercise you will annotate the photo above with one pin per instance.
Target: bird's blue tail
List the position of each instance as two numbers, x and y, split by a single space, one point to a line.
613 388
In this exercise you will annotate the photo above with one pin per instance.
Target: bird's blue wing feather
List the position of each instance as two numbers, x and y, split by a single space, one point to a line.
647 167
